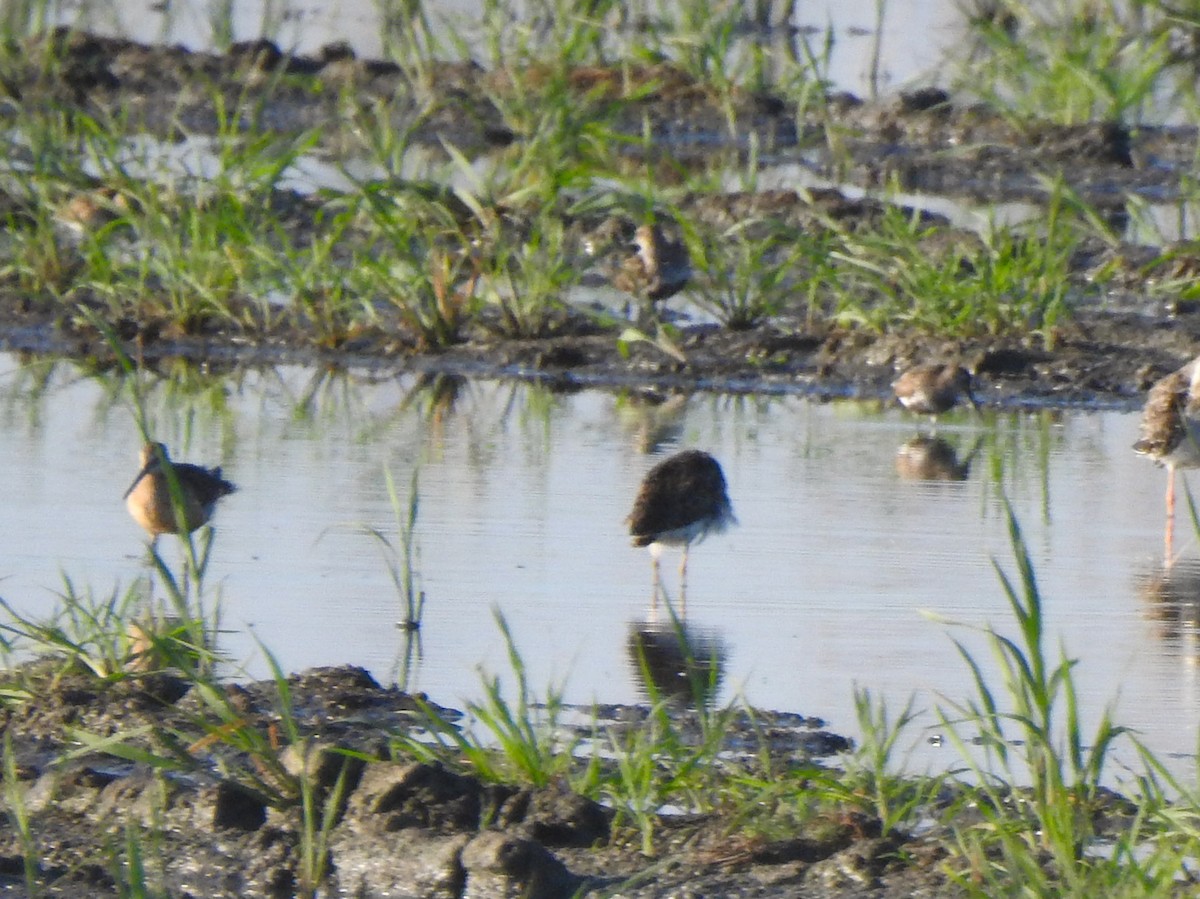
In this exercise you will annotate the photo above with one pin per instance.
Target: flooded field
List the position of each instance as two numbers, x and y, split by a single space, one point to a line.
339 247
841 550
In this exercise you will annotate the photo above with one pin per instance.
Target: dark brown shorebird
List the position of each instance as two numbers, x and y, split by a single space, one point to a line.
150 500
681 501
657 270
934 388
1171 431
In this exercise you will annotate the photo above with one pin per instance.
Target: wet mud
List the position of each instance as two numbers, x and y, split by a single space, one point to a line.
228 822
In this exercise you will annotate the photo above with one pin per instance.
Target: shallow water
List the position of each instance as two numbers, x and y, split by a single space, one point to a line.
825 583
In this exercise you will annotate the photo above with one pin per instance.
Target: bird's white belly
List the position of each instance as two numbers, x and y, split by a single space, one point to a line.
692 533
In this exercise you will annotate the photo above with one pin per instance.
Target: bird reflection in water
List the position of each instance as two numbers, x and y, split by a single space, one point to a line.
1171 598
651 417
676 661
928 457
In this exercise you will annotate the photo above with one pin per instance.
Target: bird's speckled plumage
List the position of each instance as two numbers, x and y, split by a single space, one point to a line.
934 388
149 496
659 269
1170 432
1171 419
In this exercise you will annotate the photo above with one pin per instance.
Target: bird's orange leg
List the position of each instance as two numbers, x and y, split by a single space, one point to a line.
1169 535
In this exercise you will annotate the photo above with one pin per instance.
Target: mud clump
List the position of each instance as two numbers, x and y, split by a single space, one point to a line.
213 803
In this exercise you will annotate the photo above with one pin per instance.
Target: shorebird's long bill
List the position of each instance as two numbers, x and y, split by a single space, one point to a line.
141 474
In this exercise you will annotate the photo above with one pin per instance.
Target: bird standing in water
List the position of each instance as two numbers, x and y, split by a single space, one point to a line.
934 388
1171 432
658 269
150 501
682 500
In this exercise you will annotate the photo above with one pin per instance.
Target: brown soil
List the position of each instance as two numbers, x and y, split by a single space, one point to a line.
223 827
224 824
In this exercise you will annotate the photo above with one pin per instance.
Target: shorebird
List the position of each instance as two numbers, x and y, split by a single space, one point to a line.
934 388
659 269
681 501
1171 431
91 210
154 505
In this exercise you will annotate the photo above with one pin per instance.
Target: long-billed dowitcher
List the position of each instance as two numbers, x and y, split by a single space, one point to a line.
658 269
934 388
1171 431
681 501
149 498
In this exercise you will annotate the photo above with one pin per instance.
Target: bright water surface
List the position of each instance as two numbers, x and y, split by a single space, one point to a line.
523 493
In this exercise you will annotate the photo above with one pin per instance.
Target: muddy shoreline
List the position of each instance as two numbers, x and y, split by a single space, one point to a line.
1103 361
228 824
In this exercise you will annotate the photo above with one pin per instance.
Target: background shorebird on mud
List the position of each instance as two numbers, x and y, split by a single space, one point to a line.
658 269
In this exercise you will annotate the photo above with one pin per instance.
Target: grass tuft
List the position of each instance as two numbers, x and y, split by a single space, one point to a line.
1042 832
